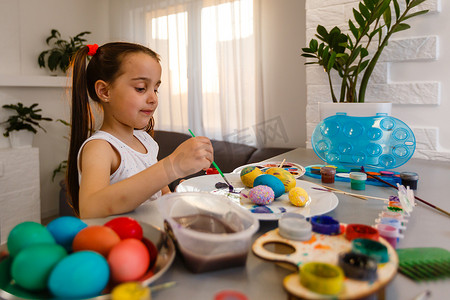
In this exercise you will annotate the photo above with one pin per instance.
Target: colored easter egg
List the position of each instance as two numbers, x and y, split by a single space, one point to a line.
128 260
126 227
80 275
298 196
286 177
248 175
64 229
271 181
97 238
261 195
26 234
130 290
32 266
152 251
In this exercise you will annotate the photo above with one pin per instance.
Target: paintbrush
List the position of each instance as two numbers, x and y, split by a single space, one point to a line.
391 185
282 163
351 194
334 189
230 187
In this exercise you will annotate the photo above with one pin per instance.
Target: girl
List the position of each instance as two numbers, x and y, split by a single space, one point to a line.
115 170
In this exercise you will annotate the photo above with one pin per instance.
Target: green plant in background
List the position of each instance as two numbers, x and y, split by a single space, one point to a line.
62 167
25 118
61 52
348 54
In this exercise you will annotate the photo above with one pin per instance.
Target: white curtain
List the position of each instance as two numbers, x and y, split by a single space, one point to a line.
211 81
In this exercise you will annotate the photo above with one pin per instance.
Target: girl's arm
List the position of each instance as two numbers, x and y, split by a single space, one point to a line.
98 198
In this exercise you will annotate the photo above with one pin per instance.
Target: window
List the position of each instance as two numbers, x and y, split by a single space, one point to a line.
208 58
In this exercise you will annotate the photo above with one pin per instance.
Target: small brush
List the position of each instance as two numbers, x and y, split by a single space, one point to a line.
230 187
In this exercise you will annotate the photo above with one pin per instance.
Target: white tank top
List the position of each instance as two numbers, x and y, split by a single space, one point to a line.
131 161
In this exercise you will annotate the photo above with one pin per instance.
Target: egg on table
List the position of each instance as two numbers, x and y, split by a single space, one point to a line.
128 260
97 238
298 196
31 267
126 227
64 229
286 177
79 275
248 175
261 195
26 234
271 181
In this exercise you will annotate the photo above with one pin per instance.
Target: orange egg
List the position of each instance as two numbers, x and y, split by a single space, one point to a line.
97 238
128 260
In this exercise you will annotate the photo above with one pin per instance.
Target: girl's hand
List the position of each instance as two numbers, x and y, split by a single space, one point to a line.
192 156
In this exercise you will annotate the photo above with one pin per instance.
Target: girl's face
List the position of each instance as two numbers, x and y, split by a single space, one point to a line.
133 95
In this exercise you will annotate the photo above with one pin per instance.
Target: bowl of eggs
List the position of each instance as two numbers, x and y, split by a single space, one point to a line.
81 259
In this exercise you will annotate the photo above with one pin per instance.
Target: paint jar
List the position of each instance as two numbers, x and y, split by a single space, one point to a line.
358 180
294 226
327 174
356 231
322 278
358 266
389 233
325 225
371 248
409 179
394 215
391 221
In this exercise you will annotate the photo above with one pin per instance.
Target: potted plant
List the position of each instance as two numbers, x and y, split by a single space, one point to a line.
23 124
60 54
348 54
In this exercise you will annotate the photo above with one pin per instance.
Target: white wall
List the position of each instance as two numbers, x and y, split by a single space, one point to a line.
284 78
24 26
412 73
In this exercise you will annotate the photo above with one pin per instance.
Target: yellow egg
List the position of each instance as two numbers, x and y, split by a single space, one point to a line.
298 196
248 175
286 177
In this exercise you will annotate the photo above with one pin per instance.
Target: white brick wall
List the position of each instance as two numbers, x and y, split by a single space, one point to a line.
19 188
412 94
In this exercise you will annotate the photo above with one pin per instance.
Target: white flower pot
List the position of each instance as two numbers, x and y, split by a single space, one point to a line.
21 139
327 109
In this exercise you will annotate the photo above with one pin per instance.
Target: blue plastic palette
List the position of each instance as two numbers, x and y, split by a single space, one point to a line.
380 142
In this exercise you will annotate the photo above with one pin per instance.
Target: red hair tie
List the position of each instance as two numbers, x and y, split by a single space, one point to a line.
92 49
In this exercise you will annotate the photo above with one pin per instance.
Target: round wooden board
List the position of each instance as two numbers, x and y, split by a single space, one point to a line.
323 248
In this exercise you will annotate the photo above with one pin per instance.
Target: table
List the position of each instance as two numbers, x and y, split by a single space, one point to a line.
263 280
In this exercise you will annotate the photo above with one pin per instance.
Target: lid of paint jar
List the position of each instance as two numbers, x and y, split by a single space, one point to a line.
328 171
294 226
409 176
358 176
355 231
380 142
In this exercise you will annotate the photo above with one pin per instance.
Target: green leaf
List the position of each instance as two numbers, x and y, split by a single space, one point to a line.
364 11
364 52
309 55
415 3
363 65
359 18
53 60
396 9
353 29
331 61
401 27
308 50
387 17
313 44
320 50
379 11
323 33
422 12
369 4
373 33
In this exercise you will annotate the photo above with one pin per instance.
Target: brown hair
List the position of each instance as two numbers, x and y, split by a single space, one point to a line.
104 65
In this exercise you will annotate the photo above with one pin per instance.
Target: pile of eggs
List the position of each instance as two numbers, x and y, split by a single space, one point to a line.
71 260
271 184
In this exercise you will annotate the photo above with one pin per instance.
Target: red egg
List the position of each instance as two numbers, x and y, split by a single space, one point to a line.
128 260
126 227
100 239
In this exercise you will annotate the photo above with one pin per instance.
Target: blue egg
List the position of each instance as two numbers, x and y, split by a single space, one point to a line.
272 182
80 275
64 229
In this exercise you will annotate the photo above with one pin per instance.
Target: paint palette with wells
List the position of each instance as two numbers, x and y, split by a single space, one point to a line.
381 141
324 249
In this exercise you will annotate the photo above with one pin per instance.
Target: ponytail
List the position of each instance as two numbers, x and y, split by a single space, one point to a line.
82 122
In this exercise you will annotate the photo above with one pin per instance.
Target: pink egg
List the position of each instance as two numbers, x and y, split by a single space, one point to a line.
128 260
